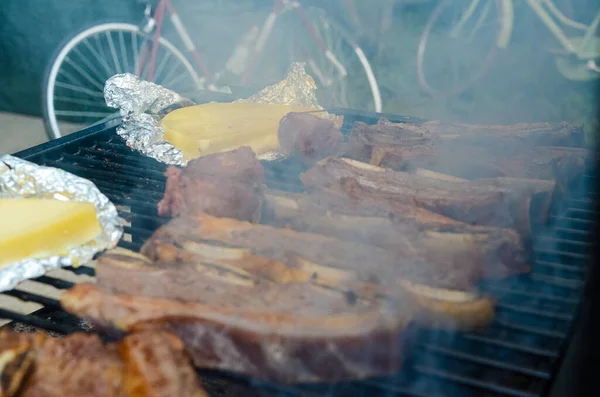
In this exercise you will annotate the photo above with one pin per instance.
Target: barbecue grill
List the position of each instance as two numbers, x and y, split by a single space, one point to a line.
518 355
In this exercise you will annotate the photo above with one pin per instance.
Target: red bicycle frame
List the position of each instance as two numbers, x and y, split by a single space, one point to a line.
165 6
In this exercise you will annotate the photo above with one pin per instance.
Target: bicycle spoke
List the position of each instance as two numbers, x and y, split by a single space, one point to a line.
161 66
103 55
83 73
100 104
69 77
99 57
79 89
177 79
480 19
172 71
124 51
113 52
70 113
88 64
136 51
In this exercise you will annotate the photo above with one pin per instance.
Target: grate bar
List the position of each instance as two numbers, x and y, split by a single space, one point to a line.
131 216
535 312
138 232
38 322
112 167
486 361
511 346
474 383
560 266
392 388
583 223
573 255
107 189
82 270
30 297
572 284
501 291
130 246
532 330
55 282
123 180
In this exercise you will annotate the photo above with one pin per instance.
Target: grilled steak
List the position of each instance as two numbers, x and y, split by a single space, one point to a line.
238 312
143 364
470 151
494 203
369 263
225 184
497 252
309 137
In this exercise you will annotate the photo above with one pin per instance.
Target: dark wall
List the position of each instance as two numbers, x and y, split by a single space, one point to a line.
30 32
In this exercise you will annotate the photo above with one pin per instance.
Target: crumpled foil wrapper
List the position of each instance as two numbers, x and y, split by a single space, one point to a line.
22 179
143 104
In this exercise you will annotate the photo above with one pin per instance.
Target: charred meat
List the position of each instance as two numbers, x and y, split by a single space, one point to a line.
227 184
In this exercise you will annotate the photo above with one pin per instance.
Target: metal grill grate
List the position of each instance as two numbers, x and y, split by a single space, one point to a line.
516 356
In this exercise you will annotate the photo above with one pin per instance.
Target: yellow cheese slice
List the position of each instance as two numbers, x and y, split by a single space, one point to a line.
42 228
216 127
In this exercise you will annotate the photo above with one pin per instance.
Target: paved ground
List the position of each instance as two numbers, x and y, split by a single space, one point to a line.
18 132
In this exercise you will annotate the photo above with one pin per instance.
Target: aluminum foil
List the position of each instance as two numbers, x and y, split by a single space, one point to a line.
143 104
22 179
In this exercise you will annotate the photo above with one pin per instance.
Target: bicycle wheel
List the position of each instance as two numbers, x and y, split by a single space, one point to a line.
350 83
73 89
457 46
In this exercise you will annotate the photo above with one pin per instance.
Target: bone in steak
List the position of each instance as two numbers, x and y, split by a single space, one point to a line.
144 364
497 252
233 318
309 137
291 334
225 184
474 202
368 262
468 153
527 134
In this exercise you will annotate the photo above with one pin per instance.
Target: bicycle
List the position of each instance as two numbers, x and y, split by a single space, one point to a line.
465 25
74 81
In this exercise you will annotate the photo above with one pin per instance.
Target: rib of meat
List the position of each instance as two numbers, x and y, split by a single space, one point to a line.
497 252
316 339
389 145
368 262
472 162
529 134
225 184
472 151
309 137
488 203
246 318
143 364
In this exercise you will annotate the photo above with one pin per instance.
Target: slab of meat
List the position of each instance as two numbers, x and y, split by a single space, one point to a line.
222 184
370 263
144 364
248 318
309 137
472 152
494 203
497 252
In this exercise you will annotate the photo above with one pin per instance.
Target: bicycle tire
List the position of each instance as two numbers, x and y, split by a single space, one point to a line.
375 93
53 66
422 80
